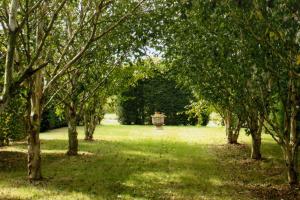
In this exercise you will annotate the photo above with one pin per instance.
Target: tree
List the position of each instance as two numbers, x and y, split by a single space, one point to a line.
93 114
274 54
243 57
202 58
16 69
55 55
281 50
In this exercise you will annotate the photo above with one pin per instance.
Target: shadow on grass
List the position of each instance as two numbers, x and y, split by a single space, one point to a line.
152 170
11 161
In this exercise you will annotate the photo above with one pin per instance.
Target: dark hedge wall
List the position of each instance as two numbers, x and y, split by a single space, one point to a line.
138 103
50 120
12 121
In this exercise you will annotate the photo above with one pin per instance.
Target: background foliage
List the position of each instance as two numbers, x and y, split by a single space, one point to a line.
52 118
139 102
12 121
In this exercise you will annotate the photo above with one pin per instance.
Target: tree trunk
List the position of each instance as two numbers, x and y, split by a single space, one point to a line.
90 122
86 126
235 136
291 151
291 161
34 152
36 85
72 132
255 147
231 133
93 124
255 124
9 62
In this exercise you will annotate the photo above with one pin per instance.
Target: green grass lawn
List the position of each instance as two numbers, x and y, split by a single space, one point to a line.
138 162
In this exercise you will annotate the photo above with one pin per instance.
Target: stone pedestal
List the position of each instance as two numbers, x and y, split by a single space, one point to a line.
158 120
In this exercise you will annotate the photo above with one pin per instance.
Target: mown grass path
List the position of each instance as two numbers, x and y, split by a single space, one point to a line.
138 162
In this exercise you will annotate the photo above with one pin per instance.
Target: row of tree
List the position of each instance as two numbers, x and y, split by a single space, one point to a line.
243 58
72 54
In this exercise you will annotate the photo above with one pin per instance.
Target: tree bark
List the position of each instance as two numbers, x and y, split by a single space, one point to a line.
255 124
228 127
255 146
34 152
292 138
93 125
289 140
291 160
90 122
86 126
9 62
72 130
36 87
235 136
232 132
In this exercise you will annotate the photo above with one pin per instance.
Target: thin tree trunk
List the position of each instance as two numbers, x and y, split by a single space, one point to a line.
34 152
8 76
86 126
93 124
255 125
255 146
9 62
90 122
72 131
235 136
291 151
231 132
291 160
36 85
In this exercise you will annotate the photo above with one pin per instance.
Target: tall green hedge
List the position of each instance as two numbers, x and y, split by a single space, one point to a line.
139 102
51 120
12 121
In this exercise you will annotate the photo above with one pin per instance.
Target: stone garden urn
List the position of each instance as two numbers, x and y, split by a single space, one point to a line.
158 120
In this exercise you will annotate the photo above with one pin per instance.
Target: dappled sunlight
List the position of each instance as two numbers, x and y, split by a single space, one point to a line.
13 149
19 149
149 99
147 154
159 178
164 185
31 192
215 181
138 162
